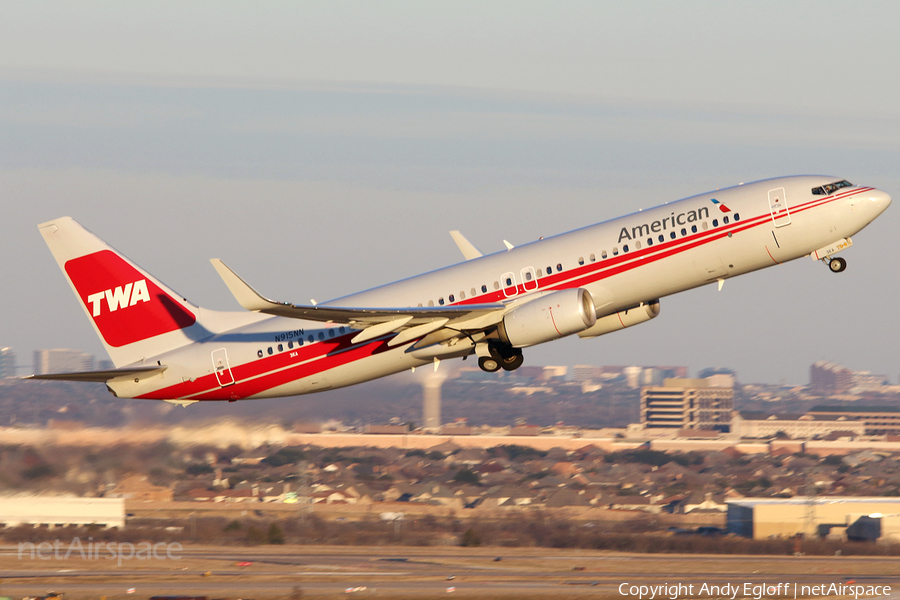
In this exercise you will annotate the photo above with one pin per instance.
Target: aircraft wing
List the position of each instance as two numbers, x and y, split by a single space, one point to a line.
100 376
471 315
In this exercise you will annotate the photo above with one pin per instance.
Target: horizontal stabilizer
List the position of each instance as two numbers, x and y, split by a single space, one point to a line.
100 376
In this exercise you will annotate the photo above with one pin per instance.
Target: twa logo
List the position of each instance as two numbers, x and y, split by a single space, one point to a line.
120 297
150 310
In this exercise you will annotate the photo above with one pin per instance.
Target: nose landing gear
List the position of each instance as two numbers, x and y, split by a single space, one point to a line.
835 264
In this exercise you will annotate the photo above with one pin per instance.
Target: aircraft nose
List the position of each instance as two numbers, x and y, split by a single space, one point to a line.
879 200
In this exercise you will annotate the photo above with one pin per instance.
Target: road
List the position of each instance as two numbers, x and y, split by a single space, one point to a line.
402 572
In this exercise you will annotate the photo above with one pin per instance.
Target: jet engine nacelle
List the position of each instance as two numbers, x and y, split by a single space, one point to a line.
622 319
548 318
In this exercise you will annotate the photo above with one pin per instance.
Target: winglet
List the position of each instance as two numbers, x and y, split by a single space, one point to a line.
508 245
465 246
242 292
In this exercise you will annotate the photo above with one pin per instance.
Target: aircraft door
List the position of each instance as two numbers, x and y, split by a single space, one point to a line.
778 206
222 368
508 282
529 279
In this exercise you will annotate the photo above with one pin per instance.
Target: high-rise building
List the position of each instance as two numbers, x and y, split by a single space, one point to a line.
828 378
62 360
686 404
7 363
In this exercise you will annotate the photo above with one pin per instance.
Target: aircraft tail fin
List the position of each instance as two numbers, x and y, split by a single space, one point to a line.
135 315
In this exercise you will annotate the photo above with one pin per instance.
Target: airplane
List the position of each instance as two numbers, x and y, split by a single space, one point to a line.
588 282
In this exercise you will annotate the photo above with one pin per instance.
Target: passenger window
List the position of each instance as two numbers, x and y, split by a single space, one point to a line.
693 229
331 333
603 254
452 298
311 339
441 301
474 293
683 231
269 350
280 348
725 220
737 217
540 272
528 276
593 258
549 270
615 251
260 354
649 241
431 303
672 234
704 226
321 335
496 285
661 238
508 281
558 267
484 289
625 248
290 345
299 342
462 295
581 260
342 329
715 222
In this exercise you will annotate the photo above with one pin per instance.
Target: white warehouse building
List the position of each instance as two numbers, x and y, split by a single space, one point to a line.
61 511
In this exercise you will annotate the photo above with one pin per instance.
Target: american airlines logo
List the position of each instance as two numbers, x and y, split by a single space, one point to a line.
119 297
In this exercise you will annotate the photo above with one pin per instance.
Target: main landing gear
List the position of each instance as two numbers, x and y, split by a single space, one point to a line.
835 264
500 356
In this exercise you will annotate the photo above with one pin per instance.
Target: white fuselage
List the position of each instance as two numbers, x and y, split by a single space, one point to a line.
623 262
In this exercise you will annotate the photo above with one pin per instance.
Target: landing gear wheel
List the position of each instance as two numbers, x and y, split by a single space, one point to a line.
837 265
487 363
512 361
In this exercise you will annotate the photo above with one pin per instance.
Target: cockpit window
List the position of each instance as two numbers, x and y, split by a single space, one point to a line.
828 189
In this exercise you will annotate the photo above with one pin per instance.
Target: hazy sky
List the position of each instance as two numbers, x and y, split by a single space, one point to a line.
320 148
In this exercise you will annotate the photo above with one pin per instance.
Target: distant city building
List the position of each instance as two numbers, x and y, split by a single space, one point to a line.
710 371
636 377
866 381
555 371
586 373
796 427
686 404
7 363
633 376
829 378
720 380
62 360
878 420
